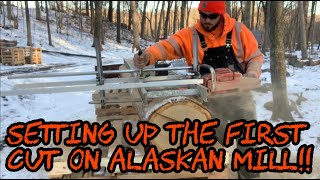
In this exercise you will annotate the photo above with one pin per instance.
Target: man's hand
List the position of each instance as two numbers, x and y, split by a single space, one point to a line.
142 60
251 74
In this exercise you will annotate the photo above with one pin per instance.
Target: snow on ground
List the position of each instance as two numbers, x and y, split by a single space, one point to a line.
74 105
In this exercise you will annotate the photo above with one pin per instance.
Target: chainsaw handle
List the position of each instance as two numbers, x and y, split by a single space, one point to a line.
212 72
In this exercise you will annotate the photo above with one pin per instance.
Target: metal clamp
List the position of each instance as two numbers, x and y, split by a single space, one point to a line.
212 72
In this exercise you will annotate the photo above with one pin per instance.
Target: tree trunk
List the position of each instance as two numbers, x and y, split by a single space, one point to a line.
280 109
258 16
165 35
80 21
92 17
310 29
175 17
135 23
228 8
150 21
130 19
266 40
118 22
110 12
38 12
143 23
160 21
75 12
302 31
247 14
9 13
29 40
48 24
87 8
182 15
188 15
98 24
156 20
252 15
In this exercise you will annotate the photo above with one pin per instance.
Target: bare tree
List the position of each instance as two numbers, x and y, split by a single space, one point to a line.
252 15
156 20
135 23
188 12
228 7
38 12
130 18
311 24
48 24
9 13
80 21
182 15
247 14
266 41
87 8
92 17
118 22
98 24
110 12
280 109
165 35
175 16
302 31
258 15
143 23
160 21
29 41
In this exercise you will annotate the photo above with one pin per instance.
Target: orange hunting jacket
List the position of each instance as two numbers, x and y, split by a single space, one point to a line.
244 44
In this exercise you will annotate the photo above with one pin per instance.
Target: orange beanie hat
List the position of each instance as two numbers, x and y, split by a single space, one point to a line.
218 7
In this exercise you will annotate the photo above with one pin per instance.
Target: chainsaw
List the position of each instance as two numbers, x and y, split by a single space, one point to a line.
217 82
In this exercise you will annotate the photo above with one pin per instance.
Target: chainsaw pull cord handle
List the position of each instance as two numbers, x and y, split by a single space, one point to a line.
212 72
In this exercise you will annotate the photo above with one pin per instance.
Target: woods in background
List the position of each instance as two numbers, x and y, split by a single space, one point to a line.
156 20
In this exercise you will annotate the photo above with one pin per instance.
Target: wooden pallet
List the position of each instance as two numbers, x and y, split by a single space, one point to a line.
61 171
33 55
12 56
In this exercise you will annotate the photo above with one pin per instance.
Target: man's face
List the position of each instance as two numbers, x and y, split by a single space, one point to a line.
209 20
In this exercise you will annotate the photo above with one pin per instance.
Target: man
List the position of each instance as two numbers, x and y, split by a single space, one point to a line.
223 43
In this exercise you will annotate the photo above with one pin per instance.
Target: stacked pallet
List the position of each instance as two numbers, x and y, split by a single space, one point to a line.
6 44
12 56
33 55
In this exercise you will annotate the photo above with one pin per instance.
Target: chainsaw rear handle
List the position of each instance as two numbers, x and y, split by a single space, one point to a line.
212 72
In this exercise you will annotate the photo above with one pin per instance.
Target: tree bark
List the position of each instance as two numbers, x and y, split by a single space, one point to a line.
130 19
258 16
38 12
98 24
48 24
118 22
9 13
188 14
247 14
87 8
252 15
266 40
302 31
92 17
182 15
160 21
156 20
29 40
228 8
110 12
280 109
175 17
143 23
165 35
311 24
135 23
80 21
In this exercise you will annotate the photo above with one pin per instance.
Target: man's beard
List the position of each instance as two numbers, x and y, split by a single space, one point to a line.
208 27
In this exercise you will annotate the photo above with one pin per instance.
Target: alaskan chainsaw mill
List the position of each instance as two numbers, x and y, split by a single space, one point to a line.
190 84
